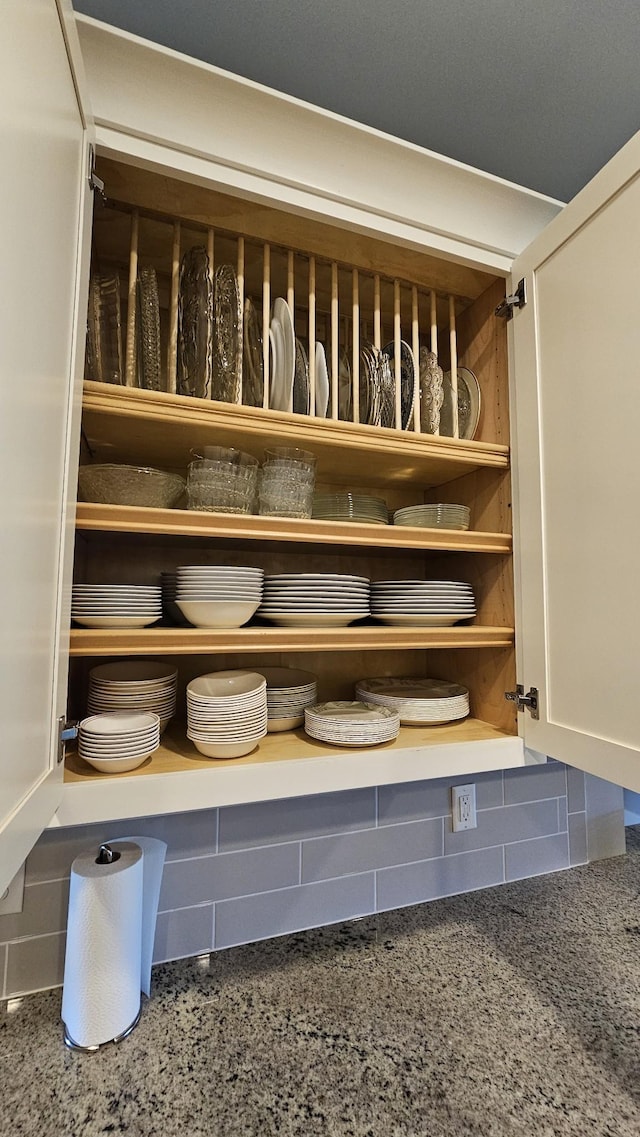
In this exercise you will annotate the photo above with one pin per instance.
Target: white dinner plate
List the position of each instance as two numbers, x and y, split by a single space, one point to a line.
322 382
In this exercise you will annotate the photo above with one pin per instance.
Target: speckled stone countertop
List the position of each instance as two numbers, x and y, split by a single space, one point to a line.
510 1012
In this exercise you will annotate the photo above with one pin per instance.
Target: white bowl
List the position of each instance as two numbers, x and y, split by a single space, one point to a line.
225 749
222 684
117 765
274 726
212 614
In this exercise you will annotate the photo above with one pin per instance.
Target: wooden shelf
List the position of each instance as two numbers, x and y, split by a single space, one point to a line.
177 778
123 424
236 527
201 641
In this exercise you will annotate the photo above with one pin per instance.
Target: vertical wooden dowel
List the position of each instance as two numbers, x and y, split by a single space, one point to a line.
240 276
266 319
211 256
291 301
454 366
415 346
355 344
335 341
434 322
312 335
172 348
377 324
397 336
130 350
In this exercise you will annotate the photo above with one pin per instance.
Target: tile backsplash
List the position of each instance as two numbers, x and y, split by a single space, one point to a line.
249 872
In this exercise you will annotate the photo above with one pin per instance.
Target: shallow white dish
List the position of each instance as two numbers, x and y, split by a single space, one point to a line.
138 671
116 621
116 765
322 382
215 614
225 749
315 619
419 620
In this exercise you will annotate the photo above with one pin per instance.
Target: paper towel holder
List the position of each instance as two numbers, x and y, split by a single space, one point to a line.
69 1042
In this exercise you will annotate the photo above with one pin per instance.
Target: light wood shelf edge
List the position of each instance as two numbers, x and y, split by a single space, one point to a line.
93 517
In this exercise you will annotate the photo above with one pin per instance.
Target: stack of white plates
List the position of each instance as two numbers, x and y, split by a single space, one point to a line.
419 702
434 516
423 603
118 741
312 599
289 691
217 596
134 685
351 507
351 724
116 605
227 713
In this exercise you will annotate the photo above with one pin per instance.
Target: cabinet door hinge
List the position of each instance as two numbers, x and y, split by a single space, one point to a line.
67 732
96 183
521 700
518 299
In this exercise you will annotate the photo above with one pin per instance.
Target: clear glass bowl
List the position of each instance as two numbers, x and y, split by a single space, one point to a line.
114 484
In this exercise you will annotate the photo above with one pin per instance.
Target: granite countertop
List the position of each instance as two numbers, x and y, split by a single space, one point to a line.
509 1012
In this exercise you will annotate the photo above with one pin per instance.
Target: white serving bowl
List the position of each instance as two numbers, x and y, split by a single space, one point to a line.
117 765
221 684
225 749
213 614
274 726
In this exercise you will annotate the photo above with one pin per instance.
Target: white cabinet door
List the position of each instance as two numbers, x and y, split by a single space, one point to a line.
43 205
576 356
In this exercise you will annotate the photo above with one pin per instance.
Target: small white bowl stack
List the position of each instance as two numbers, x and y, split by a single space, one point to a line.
227 713
419 702
218 596
351 723
134 685
289 691
439 516
314 600
116 605
118 741
423 603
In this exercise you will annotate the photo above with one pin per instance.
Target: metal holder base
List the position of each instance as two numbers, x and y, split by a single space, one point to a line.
68 1041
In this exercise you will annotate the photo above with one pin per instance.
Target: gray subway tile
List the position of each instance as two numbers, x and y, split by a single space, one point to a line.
445 876
563 823
575 790
532 858
35 964
203 879
250 918
324 857
500 826
44 911
605 818
578 839
530 783
267 822
413 801
187 835
185 932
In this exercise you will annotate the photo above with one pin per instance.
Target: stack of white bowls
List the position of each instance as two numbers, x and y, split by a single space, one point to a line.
440 516
118 741
116 605
351 724
218 596
134 685
289 691
423 603
419 702
227 713
312 599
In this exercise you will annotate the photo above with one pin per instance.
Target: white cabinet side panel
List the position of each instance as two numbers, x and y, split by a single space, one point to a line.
42 152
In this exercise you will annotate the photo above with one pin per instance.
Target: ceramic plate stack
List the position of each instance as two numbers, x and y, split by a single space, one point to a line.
118 741
351 507
311 599
215 596
116 605
351 724
289 691
434 516
419 702
227 713
422 603
134 685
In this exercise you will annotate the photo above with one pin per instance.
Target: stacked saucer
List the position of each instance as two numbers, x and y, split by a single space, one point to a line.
134 685
423 603
310 599
118 741
434 516
351 724
169 587
227 713
116 605
351 507
289 691
419 702
218 596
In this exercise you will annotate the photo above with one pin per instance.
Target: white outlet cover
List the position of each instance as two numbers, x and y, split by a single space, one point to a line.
463 807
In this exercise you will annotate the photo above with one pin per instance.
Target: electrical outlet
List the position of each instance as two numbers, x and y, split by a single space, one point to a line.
12 900
463 807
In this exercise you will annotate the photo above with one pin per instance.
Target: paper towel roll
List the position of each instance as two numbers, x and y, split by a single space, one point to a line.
111 926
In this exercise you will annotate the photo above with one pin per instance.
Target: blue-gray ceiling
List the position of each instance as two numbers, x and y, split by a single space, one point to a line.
539 93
